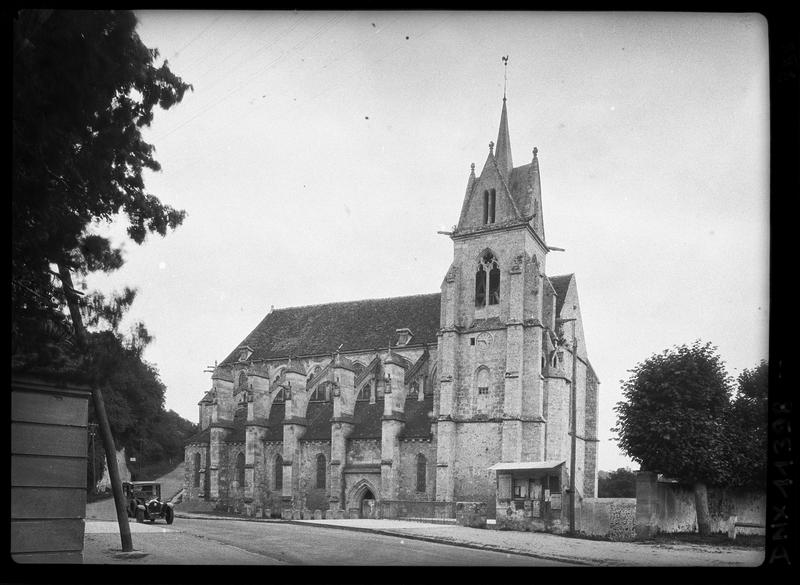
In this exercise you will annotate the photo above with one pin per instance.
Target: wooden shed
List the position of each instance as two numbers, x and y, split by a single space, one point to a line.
48 470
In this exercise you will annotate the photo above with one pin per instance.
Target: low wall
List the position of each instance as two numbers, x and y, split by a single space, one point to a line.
472 514
613 518
415 509
666 506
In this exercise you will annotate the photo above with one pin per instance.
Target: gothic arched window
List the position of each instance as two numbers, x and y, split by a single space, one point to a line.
487 277
321 471
421 470
278 472
363 394
480 287
240 470
278 397
318 395
413 390
197 470
242 380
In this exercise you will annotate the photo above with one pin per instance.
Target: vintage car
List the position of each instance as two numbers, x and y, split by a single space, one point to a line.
145 503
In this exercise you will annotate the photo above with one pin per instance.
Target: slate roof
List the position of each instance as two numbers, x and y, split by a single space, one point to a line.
560 284
199 437
355 325
418 423
367 419
518 182
275 422
238 433
318 415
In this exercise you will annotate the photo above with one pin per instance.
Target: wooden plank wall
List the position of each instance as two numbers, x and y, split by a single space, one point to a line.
48 471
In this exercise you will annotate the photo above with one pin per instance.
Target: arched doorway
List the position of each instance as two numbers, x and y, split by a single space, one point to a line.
368 506
362 498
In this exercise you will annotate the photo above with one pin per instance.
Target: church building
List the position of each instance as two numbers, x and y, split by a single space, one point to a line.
404 406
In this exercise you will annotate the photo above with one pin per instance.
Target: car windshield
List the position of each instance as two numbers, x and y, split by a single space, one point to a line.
147 490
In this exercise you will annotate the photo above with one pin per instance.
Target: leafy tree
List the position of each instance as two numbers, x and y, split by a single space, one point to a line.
673 419
617 484
747 426
84 86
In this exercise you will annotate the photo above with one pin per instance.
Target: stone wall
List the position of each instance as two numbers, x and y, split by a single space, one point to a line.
666 506
613 518
104 485
313 497
193 492
478 447
472 514
407 477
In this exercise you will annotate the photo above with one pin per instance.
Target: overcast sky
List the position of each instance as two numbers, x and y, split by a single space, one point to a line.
320 152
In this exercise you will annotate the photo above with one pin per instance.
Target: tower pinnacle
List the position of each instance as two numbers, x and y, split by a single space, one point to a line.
503 151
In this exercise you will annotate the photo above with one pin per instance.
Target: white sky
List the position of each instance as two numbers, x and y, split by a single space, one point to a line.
321 151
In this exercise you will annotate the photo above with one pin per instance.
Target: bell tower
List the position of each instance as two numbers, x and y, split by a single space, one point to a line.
490 342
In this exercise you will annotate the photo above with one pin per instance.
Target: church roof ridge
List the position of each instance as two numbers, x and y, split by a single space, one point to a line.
293 307
347 326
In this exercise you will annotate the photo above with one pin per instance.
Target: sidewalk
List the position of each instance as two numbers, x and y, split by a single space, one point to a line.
551 546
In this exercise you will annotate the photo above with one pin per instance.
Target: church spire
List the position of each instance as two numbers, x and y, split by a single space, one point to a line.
503 152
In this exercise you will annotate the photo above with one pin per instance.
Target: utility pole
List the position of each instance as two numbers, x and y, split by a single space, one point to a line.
100 411
573 426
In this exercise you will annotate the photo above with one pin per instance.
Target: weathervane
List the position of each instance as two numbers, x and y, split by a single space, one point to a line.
505 75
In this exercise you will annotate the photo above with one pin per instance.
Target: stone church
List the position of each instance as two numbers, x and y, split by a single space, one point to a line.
406 405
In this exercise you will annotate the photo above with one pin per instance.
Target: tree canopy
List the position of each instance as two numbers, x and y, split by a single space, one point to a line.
673 418
617 484
84 86
747 426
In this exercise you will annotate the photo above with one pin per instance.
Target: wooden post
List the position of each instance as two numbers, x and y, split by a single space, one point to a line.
574 416
113 472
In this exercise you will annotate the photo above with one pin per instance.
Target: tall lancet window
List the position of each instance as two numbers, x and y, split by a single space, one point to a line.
489 196
240 470
480 287
421 469
197 470
487 278
278 472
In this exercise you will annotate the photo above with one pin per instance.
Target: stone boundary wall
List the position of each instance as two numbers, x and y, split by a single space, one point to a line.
613 518
667 506
472 514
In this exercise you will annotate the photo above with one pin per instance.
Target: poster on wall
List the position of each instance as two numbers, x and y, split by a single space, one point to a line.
555 501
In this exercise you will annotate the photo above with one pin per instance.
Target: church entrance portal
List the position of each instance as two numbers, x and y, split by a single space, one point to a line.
368 508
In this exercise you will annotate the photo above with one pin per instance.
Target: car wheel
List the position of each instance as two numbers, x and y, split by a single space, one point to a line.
140 516
170 516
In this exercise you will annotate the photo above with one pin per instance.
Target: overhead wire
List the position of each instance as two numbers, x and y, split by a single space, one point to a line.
260 50
198 35
314 36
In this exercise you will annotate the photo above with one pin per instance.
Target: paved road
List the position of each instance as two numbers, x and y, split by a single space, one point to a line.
195 541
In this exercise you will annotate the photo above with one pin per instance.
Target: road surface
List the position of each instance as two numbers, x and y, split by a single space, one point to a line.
196 541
